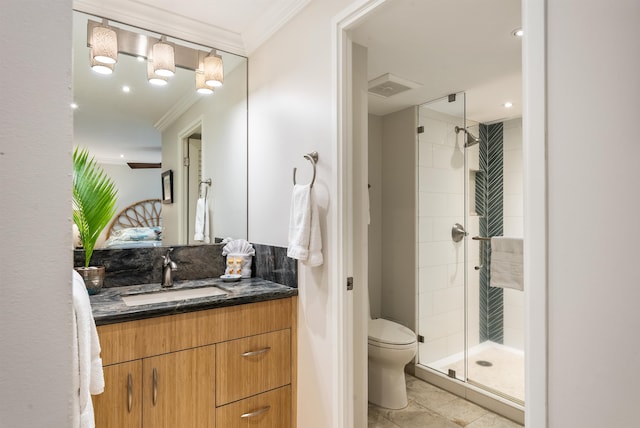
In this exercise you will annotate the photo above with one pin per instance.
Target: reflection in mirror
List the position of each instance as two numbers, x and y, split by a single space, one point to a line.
137 130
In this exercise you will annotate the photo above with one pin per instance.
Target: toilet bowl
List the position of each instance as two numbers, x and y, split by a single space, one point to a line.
391 347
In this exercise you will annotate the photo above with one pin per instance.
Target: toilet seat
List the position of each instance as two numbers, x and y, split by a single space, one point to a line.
388 334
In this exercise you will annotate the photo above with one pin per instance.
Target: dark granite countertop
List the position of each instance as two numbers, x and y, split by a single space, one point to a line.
108 306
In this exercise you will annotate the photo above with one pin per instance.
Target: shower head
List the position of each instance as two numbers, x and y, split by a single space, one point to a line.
470 139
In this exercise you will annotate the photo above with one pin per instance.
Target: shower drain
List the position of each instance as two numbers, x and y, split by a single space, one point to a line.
484 363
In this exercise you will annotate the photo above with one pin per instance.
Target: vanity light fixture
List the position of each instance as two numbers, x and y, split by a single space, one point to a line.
201 86
163 58
213 70
154 78
104 44
100 67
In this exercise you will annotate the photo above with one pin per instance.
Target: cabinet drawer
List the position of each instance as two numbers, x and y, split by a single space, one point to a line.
268 410
249 366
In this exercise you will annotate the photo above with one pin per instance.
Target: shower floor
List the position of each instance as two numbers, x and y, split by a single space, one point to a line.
504 376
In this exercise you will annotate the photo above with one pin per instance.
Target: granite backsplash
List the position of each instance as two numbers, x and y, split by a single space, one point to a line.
128 266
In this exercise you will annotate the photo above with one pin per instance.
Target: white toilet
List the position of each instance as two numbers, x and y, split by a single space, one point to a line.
391 347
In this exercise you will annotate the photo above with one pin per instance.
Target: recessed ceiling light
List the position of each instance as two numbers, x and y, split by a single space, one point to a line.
508 104
125 88
518 32
122 156
74 106
141 59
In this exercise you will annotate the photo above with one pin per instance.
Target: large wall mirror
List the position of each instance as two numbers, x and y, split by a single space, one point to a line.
138 131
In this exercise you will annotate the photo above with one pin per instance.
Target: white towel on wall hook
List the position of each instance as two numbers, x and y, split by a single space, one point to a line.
305 240
202 221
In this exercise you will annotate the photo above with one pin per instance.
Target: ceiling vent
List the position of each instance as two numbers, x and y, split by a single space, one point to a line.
388 85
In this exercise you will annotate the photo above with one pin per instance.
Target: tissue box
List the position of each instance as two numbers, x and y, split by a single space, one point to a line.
239 264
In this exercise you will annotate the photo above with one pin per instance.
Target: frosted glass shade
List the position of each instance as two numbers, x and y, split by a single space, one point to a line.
213 70
100 67
201 86
163 59
153 78
104 45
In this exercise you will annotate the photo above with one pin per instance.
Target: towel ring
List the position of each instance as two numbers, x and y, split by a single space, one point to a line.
313 158
206 189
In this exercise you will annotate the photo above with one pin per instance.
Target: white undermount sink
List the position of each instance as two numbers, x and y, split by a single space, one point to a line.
171 295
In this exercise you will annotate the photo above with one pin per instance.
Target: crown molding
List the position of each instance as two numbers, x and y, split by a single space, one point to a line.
177 110
270 22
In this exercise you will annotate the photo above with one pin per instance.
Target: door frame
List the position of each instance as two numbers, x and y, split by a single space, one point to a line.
535 208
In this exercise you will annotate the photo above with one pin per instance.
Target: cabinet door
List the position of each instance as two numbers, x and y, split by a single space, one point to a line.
268 410
120 405
179 389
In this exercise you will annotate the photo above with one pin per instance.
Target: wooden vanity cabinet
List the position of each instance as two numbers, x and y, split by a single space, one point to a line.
226 367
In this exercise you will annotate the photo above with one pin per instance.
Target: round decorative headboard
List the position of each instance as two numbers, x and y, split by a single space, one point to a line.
141 214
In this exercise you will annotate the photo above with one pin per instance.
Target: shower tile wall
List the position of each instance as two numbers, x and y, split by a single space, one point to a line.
441 261
513 226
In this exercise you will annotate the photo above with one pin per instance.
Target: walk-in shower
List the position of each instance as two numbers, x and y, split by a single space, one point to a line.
471 334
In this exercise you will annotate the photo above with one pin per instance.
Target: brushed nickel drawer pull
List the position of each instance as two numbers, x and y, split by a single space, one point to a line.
256 413
155 386
129 392
258 352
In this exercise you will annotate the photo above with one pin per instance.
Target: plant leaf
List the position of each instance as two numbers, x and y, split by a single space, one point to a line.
94 200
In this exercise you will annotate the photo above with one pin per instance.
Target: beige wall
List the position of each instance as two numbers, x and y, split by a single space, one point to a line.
592 108
399 216
375 210
35 231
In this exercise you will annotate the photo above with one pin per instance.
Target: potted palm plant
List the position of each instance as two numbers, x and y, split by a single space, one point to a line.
94 203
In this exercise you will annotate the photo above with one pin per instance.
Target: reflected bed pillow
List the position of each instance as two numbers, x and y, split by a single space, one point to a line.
135 235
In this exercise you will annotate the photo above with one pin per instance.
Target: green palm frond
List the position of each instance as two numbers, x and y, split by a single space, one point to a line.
94 200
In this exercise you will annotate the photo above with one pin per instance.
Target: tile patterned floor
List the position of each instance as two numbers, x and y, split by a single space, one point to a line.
432 407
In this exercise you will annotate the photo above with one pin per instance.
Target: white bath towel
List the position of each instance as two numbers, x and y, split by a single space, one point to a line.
506 263
88 378
202 221
305 241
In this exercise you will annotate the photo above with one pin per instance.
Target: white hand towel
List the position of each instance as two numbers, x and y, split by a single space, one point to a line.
305 241
88 378
315 238
507 263
300 222
202 221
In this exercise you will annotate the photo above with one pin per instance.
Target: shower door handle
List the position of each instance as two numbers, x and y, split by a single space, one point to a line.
482 240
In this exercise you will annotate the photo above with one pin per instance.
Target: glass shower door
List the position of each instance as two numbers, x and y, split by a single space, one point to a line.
469 190
442 271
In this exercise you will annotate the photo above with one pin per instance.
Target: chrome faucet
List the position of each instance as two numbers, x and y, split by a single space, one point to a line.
168 266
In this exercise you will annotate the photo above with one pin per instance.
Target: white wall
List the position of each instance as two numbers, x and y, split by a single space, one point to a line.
513 217
223 116
35 231
292 112
375 211
592 108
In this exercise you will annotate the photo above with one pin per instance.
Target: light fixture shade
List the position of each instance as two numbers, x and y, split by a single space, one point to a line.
201 86
153 78
213 70
100 67
163 58
104 45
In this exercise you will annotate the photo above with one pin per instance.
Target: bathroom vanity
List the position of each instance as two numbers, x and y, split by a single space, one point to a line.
219 361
